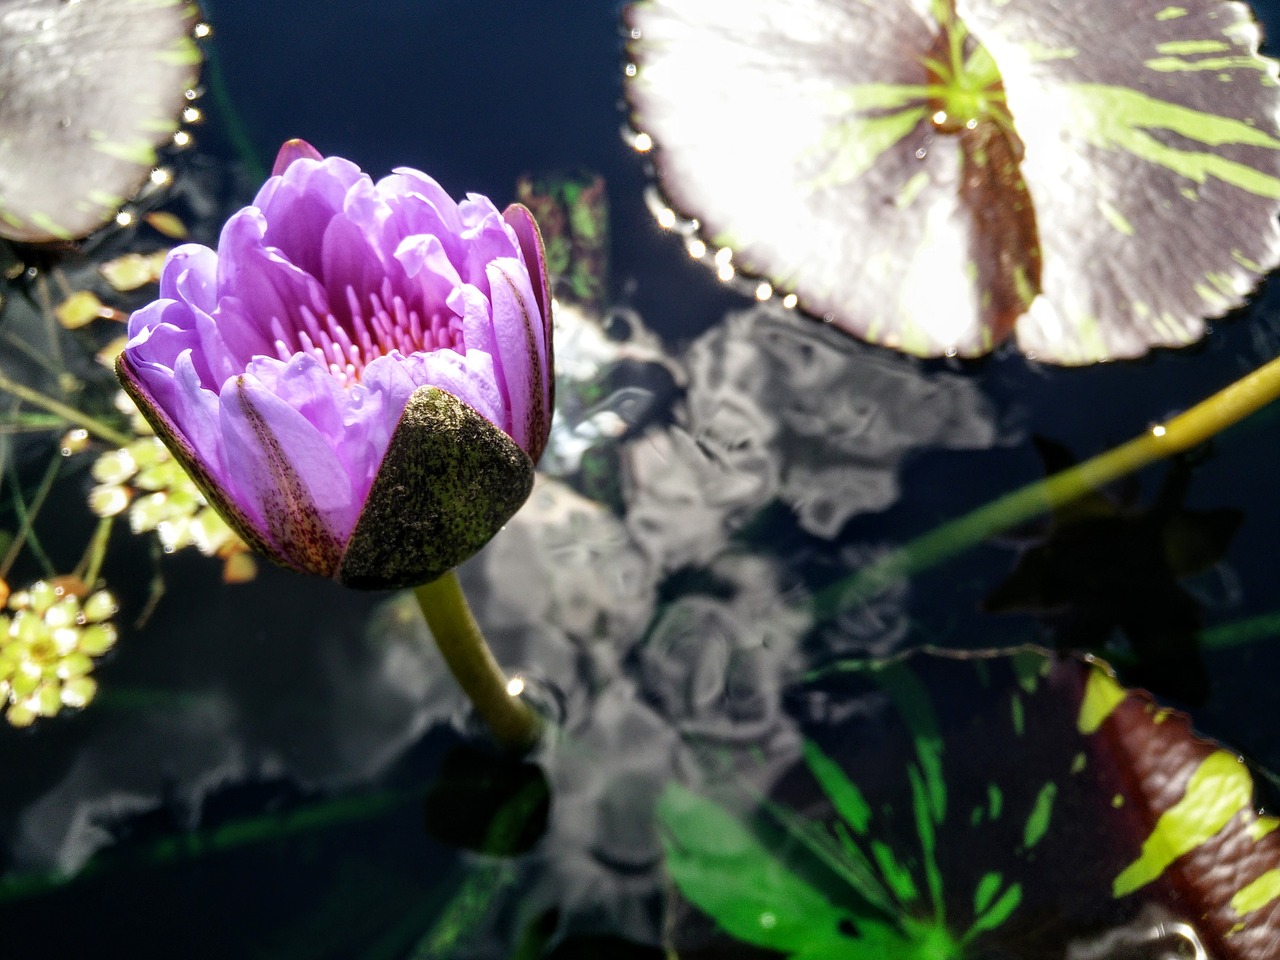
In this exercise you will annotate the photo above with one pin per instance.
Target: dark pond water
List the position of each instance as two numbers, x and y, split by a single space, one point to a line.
282 769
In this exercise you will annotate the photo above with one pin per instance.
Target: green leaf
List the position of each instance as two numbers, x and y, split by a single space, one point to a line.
723 870
844 794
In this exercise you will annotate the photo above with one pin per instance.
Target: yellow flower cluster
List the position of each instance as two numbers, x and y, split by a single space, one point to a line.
49 635
145 480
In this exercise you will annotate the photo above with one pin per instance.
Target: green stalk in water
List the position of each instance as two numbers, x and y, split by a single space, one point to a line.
513 723
68 413
1183 432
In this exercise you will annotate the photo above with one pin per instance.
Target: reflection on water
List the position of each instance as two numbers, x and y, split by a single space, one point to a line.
781 409
1152 935
221 708
836 420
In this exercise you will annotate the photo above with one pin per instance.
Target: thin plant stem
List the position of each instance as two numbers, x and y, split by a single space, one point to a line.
53 329
513 723
1227 635
21 346
66 412
27 518
230 118
90 566
156 588
1177 435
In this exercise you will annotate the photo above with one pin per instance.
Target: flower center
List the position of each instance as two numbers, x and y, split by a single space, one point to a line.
349 340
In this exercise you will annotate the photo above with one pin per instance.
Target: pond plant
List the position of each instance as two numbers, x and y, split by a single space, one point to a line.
358 380
848 856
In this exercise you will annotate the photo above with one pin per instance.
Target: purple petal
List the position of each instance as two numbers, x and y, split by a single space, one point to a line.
352 254
479 336
298 206
534 255
350 419
288 475
425 261
411 193
190 273
272 289
487 237
293 150
197 441
472 233
469 378
532 251
518 327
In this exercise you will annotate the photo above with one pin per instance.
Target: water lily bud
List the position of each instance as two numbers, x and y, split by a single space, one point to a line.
359 379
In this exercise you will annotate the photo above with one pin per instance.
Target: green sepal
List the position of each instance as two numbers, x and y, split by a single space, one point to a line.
449 480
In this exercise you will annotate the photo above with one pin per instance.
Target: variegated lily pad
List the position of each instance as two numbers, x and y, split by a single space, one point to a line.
88 90
976 806
1092 178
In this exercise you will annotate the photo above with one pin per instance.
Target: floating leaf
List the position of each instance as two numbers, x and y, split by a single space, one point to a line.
80 309
1093 179
107 355
166 223
133 270
90 90
1011 805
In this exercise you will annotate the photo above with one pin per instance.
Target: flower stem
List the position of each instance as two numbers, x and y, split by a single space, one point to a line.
513 723
1188 429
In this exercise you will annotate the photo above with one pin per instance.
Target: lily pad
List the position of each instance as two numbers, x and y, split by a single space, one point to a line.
1012 805
91 88
1092 179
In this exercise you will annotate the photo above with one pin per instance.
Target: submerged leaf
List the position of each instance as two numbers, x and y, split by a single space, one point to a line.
1041 810
1093 179
90 91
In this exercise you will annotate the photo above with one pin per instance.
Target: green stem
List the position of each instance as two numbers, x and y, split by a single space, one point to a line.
68 413
1227 635
27 518
90 566
513 723
1185 431
230 119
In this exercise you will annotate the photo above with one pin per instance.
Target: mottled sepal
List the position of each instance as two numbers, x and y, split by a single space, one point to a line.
449 481
180 447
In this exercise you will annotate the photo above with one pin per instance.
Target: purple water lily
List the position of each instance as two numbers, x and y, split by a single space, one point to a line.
360 377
